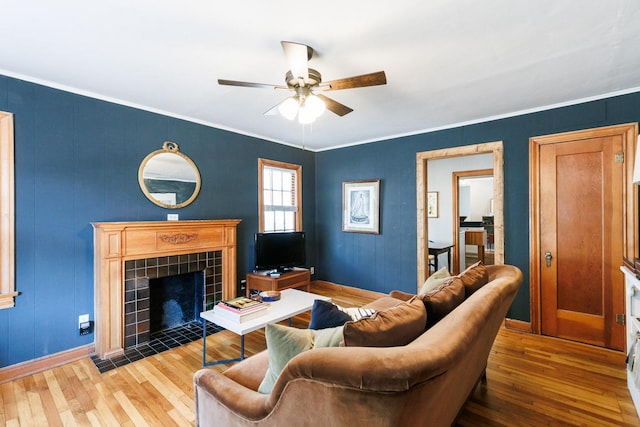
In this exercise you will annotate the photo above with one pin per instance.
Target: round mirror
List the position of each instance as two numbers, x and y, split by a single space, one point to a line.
169 178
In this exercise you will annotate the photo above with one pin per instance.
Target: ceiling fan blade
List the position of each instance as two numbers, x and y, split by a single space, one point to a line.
298 56
249 84
335 106
371 79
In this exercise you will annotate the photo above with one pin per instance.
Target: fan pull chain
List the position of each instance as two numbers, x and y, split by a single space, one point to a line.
303 136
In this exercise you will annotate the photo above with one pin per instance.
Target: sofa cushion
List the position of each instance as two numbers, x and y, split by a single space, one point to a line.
325 314
284 343
388 301
443 299
434 280
394 326
474 277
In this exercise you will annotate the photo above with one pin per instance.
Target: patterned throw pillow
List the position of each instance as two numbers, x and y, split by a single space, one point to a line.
357 313
325 314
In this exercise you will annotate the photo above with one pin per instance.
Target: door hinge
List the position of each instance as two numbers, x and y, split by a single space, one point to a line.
620 318
619 157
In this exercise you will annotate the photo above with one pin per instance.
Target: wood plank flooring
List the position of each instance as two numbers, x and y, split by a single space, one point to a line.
531 381
534 380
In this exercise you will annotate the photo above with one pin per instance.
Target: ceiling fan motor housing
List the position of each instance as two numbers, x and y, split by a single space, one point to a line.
293 82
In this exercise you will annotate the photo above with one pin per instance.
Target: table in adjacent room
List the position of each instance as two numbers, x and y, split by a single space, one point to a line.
436 248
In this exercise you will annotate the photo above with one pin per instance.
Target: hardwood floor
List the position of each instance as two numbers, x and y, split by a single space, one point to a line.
531 381
534 380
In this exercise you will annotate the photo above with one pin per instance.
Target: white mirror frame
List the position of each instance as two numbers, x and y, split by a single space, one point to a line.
168 147
7 212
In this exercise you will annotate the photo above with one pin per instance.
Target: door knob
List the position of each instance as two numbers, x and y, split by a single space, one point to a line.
547 256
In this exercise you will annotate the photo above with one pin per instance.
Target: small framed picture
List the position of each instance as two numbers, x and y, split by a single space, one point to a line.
432 204
361 206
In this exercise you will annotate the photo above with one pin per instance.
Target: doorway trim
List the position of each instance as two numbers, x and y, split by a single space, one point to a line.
629 133
7 212
422 158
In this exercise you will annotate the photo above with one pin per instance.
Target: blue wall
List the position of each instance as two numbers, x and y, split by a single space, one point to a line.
77 162
388 261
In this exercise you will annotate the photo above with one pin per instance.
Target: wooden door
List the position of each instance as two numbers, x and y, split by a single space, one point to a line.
581 189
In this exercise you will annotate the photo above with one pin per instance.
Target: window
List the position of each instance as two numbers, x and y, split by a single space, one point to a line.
279 196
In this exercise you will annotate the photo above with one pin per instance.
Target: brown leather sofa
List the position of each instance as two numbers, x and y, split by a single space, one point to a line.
424 383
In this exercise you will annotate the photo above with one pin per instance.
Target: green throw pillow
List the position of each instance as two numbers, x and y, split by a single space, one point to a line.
434 280
284 343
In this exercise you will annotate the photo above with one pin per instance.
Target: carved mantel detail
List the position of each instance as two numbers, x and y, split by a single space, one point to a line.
117 242
177 239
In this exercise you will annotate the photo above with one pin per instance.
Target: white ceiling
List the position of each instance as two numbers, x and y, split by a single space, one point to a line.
447 62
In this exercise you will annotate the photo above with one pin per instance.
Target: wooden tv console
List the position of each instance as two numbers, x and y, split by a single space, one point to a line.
291 279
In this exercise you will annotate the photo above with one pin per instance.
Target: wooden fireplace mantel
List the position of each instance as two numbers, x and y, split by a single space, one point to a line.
116 242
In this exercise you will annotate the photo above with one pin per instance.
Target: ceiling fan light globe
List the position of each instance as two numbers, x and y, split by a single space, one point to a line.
305 115
288 108
315 105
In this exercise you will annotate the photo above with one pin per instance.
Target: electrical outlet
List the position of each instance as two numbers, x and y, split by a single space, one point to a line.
312 270
173 217
85 326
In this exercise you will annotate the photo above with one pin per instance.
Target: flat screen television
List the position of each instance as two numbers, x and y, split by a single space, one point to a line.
279 251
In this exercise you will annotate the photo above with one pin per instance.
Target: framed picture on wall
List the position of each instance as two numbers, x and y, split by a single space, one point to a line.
361 206
432 204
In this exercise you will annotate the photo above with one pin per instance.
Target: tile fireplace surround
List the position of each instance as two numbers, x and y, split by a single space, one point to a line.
138 275
117 243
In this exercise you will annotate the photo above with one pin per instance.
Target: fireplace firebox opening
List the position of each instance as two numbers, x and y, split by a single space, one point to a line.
175 300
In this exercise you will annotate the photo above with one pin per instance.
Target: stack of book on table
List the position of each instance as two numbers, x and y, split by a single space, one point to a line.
240 309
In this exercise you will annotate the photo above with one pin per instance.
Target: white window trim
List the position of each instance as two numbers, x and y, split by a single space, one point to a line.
297 169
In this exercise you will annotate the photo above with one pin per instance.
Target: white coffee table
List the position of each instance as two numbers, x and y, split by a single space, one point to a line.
291 303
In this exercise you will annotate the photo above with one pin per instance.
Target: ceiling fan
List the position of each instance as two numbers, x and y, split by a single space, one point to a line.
308 102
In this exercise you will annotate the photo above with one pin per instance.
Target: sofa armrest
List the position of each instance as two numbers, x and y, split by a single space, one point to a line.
250 371
212 385
401 295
